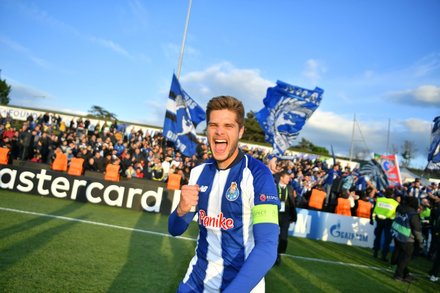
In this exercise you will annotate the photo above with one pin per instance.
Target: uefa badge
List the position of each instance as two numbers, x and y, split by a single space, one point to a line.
232 193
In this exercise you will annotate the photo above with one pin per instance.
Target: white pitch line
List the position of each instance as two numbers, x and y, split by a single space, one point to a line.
337 262
179 237
95 223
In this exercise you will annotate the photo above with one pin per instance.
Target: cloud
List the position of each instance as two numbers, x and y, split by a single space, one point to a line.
374 84
44 17
424 95
172 52
40 62
427 65
416 127
138 11
27 96
324 128
328 129
313 70
111 45
225 79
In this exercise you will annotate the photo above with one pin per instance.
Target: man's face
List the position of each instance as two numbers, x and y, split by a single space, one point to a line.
223 135
285 179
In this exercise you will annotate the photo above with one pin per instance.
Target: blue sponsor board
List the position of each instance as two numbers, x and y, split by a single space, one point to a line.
331 227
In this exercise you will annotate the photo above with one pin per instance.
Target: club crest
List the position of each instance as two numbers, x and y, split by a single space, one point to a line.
232 193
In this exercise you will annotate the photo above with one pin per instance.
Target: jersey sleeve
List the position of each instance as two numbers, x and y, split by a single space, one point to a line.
260 260
266 201
178 225
265 191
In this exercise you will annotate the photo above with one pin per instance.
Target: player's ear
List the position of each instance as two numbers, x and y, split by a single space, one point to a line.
241 132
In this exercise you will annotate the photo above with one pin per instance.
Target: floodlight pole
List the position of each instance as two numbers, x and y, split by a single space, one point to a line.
388 136
182 48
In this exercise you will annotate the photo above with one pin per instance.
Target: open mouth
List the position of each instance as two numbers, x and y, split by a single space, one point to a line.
220 145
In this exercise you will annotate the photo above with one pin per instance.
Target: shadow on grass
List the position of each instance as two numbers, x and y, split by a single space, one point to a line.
17 251
37 221
154 263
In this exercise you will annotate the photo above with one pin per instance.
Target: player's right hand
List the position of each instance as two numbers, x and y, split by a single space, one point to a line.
189 197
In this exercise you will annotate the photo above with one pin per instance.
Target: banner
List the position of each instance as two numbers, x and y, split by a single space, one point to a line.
183 115
287 108
390 165
434 149
137 194
324 226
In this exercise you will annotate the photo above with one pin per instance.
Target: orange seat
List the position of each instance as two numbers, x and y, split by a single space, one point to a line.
76 167
4 156
343 207
112 172
317 199
173 182
60 162
364 209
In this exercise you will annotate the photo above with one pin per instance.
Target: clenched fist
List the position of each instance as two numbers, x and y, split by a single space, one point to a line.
189 198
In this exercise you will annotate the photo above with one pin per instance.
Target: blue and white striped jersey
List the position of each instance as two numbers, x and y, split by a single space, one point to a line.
224 210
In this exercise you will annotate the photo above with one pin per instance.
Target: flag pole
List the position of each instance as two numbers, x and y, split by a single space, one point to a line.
352 137
182 48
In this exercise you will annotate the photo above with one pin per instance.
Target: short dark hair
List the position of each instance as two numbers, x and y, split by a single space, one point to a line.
283 173
412 202
229 103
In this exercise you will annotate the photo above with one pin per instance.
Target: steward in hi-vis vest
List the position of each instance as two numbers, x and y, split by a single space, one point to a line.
384 213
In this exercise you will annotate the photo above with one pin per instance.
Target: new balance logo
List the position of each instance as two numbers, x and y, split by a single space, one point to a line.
203 188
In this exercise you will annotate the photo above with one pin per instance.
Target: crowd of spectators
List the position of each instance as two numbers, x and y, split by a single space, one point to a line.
146 155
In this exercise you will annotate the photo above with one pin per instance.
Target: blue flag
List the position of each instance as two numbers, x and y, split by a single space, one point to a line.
287 108
375 173
182 117
434 149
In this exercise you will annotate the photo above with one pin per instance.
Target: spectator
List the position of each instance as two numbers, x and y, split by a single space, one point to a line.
130 172
405 243
158 173
99 161
332 174
287 212
139 170
90 165
26 141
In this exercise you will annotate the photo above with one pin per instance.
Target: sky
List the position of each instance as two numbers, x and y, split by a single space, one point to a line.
377 61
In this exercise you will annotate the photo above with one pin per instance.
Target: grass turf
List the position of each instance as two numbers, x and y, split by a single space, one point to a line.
47 254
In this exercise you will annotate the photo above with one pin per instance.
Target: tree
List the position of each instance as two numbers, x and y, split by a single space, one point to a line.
253 131
305 144
101 113
408 151
5 89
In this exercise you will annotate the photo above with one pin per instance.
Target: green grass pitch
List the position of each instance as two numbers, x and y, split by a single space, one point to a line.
54 245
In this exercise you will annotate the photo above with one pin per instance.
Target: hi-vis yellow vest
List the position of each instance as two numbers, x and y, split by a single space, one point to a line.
385 208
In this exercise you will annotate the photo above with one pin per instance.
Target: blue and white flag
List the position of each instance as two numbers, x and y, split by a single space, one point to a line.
374 172
287 108
434 149
182 117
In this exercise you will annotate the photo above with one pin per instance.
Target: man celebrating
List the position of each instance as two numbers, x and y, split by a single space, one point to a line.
237 205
